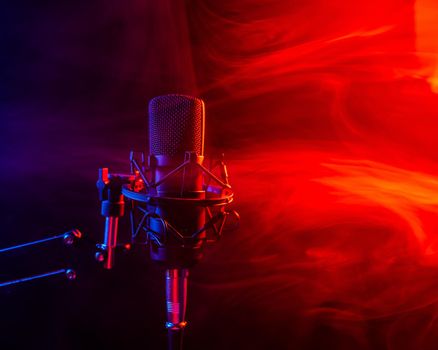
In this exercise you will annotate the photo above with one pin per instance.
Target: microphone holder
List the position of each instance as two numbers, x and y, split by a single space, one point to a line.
143 192
150 228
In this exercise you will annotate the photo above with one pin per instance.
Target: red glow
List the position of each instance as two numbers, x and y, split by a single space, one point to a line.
333 108
400 191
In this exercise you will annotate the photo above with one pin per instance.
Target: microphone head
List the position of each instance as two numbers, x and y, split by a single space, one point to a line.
176 125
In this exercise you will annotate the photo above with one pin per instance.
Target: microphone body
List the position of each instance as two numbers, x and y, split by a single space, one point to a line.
176 135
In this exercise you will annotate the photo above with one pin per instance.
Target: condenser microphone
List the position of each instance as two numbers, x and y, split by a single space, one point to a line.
176 135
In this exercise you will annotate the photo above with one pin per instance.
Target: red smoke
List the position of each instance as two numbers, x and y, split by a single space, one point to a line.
329 114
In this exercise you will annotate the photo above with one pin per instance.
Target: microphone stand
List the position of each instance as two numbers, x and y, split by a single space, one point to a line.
176 300
69 238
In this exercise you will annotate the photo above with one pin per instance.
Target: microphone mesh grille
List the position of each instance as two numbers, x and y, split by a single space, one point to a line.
176 125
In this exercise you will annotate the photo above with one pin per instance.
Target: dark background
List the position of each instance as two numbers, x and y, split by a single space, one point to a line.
289 87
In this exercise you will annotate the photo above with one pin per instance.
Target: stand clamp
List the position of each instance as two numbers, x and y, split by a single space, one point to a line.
112 208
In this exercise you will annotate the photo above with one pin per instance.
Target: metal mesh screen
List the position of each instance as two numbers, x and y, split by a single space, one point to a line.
176 125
